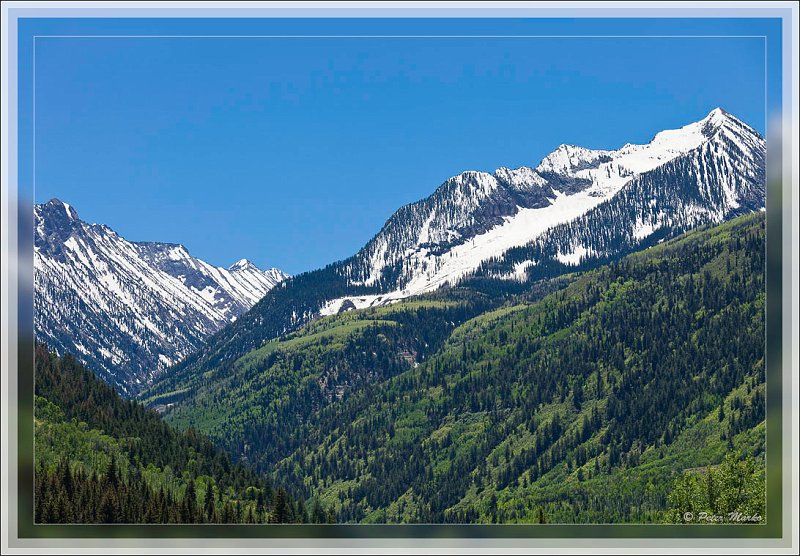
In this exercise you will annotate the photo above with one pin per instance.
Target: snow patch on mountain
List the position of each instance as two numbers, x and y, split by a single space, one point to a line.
574 257
342 304
519 272
643 230
515 230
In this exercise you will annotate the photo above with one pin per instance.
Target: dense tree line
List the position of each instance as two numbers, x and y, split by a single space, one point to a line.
103 459
732 492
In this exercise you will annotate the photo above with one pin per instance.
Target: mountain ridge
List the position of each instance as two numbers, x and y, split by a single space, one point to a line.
130 309
474 230
475 203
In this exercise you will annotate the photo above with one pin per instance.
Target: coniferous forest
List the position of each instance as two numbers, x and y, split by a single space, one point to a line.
102 459
589 398
633 392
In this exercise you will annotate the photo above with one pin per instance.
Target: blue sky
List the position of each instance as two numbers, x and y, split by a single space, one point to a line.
293 152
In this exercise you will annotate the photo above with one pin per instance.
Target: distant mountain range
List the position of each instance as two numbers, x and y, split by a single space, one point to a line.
702 173
129 310
577 209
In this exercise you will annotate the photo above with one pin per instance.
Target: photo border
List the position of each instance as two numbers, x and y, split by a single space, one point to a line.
780 280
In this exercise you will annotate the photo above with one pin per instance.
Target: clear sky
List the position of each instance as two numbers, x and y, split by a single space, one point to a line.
293 152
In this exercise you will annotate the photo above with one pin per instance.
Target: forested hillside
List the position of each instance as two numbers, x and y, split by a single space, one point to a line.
259 406
102 459
583 405
578 209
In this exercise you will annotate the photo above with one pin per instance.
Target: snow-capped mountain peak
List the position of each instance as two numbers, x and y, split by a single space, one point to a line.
476 216
719 117
130 309
569 159
521 179
241 264
59 205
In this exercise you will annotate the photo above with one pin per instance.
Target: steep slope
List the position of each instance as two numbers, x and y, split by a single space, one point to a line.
129 310
289 381
585 403
577 209
102 459
723 177
714 166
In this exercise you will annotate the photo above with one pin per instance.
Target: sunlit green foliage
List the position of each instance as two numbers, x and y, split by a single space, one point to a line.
257 406
580 401
732 492
102 459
